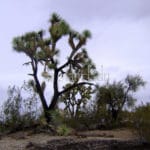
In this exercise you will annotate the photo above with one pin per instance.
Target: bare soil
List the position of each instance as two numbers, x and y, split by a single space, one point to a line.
95 140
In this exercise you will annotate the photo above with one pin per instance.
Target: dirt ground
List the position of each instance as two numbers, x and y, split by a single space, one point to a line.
24 140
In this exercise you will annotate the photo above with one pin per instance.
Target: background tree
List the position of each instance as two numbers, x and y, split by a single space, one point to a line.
118 94
43 52
76 99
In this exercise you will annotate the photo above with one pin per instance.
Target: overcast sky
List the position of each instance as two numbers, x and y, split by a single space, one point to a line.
120 35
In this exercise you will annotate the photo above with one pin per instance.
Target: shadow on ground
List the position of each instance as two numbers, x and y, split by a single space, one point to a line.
72 144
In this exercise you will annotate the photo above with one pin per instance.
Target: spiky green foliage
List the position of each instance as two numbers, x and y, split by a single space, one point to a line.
63 130
86 34
59 29
55 18
81 67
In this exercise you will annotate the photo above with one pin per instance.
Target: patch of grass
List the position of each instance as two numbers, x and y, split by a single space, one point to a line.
63 130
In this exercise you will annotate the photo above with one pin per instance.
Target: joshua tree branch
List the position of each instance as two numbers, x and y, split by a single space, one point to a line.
73 86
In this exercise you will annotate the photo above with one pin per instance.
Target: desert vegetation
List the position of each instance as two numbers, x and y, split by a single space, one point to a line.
79 104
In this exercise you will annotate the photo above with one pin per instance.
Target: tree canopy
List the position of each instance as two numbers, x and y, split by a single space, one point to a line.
119 94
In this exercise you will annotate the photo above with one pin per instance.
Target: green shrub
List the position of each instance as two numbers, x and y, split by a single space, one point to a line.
63 130
142 121
57 118
17 112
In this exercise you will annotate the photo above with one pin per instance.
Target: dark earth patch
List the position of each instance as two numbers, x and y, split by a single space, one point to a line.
73 144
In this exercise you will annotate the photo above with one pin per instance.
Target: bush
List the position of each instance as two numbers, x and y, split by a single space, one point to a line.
18 112
57 118
142 122
63 130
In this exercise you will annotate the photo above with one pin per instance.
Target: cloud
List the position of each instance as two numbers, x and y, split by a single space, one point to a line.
120 30
103 9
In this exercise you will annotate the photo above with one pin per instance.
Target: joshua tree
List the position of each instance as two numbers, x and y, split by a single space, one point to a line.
78 69
118 94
